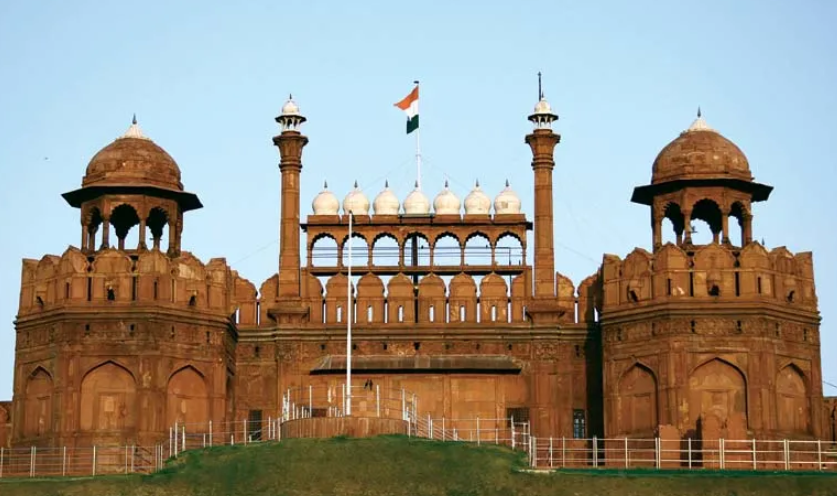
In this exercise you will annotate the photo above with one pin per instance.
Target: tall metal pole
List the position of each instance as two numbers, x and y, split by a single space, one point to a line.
349 325
418 151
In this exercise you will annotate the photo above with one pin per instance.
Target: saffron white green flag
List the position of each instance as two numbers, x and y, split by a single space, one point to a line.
410 106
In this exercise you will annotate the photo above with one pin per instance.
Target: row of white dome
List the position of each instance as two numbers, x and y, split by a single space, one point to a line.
416 203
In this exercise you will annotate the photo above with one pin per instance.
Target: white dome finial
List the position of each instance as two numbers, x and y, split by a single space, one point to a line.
134 131
507 202
477 202
386 203
699 124
325 203
356 202
446 202
416 202
290 119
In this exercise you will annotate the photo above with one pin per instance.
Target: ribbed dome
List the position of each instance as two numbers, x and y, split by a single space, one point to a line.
326 202
290 107
446 202
416 203
356 202
507 202
477 202
133 159
700 152
543 107
386 203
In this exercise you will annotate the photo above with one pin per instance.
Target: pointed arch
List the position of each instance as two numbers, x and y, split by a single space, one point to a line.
37 403
108 398
793 407
638 401
187 398
717 387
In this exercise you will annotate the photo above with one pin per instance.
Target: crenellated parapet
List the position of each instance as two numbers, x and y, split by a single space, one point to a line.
712 273
112 280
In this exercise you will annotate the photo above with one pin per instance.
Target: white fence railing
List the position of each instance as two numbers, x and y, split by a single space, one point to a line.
96 460
723 454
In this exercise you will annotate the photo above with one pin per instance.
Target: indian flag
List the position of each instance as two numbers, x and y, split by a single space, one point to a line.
410 106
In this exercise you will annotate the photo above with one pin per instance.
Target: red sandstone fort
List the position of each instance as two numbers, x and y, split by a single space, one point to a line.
117 343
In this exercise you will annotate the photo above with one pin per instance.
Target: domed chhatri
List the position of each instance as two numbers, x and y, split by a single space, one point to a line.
386 203
507 202
326 202
133 160
700 152
446 202
416 203
356 202
477 202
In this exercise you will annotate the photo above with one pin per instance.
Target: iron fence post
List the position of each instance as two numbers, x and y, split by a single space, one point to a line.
627 462
689 445
819 454
595 452
478 430
563 452
755 460
32 456
550 452
210 433
94 461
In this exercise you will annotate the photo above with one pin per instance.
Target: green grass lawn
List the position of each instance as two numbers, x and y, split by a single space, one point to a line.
397 465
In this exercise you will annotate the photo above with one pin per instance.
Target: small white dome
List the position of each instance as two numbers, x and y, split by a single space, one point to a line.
326 203
446 202
386 203
507 202
477 202
356 202
416 203
543 107
290 107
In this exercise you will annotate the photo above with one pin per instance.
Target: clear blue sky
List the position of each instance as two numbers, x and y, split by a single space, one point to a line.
206 80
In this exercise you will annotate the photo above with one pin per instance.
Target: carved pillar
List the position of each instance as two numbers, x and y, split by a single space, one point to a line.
105 233
85 237
657 229
725 226
746 229
142 234
687 226
172 231
120 242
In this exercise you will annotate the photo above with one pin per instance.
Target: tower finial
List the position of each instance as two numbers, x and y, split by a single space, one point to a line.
325 184
540 87
698 111
477 183
355 183
290 96
507 183
134 120
446 183
386 183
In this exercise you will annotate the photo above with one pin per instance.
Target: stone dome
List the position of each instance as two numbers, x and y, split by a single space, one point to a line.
290 107
135 160
446 202
507 202
416 203
477 202
543 107
386 203
326 202
356 202
700 152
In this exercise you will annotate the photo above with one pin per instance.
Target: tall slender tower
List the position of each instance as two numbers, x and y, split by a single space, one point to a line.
290 143
542 141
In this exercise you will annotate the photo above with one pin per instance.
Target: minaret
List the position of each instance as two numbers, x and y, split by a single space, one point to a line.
290 142
542 141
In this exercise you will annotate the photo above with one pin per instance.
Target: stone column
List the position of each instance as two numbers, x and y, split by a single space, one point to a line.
657 228
746 229
725 226
687 226
105 233
542 141
290 143
142 234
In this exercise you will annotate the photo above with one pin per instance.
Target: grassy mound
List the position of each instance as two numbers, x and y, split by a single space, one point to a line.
396 465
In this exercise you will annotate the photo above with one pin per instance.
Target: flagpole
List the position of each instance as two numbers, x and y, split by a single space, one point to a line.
349 326
418 150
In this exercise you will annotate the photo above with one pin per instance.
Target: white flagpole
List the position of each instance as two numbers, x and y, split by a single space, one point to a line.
418 148
349 326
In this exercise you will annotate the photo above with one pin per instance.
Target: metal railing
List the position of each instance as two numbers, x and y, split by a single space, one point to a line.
722 454
90 461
